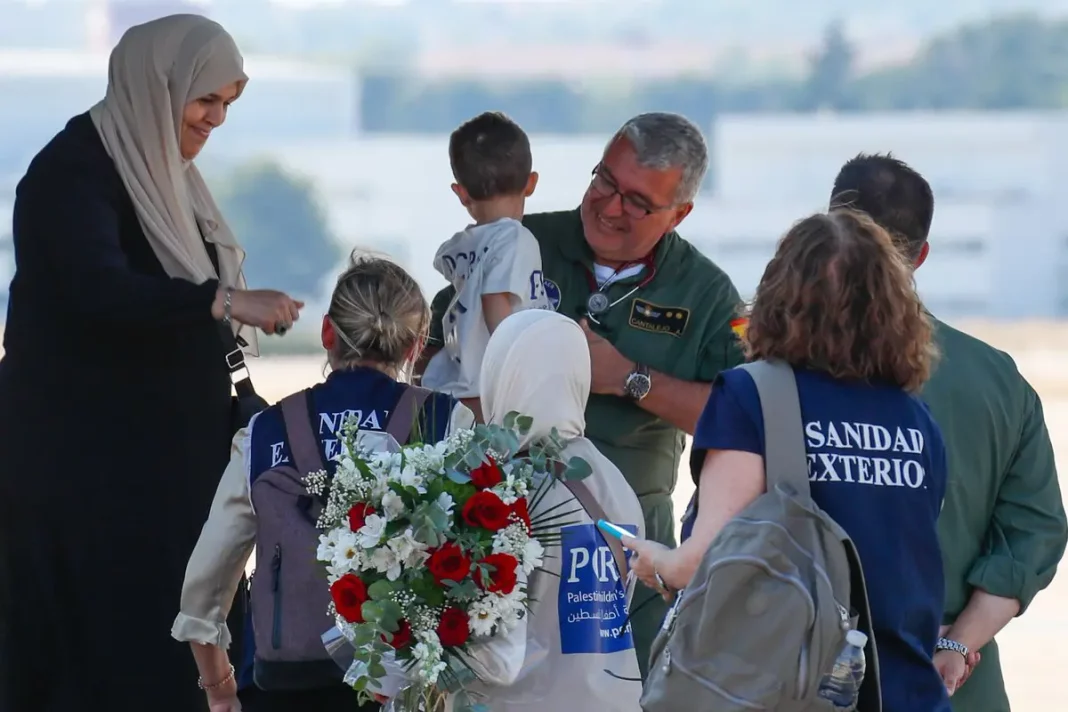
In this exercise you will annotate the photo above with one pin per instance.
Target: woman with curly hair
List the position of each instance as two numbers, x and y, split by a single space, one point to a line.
838 304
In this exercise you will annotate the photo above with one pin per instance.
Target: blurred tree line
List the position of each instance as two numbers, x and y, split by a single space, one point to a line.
1012 62
280 222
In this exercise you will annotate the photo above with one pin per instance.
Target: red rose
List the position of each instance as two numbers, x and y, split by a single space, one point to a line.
401 637
453 630
358 515
485 509
449 563
520 512
487 475
502 579
349 594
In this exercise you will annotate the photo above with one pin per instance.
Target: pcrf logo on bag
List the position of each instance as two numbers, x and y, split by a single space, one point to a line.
592 602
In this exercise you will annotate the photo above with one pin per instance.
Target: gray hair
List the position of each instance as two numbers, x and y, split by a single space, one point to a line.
663 141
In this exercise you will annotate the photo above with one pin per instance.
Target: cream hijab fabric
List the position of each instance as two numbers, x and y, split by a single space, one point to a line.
155 70
537 362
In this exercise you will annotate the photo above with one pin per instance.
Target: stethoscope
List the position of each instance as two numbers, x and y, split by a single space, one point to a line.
598 302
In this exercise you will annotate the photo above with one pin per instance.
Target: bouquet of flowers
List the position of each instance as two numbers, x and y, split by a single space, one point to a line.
427 550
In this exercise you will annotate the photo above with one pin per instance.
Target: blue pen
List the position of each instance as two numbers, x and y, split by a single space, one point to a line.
617 532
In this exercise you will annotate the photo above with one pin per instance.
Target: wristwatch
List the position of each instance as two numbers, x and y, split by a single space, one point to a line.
638 383
947 644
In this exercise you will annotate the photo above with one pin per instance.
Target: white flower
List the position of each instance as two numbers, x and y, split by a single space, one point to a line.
386 561
409 551
446 503
532 555
427 458
483 615
370 535
410 478
392 504
510 609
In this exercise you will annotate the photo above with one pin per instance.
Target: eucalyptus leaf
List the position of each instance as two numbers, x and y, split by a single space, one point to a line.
523 424
380 589
509 420
577 469
362 635
474 456
459 478
372 611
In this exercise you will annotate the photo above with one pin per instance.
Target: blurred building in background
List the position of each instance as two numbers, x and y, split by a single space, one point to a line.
1000 234
999 243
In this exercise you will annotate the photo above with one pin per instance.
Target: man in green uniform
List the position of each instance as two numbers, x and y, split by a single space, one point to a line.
1002 528
658 314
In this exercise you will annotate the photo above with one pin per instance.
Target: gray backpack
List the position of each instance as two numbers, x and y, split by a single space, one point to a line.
289 595
766 613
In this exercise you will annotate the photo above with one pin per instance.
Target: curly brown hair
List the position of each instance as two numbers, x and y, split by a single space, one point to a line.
839 297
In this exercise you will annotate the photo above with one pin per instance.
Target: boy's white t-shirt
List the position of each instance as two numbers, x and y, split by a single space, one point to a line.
501 257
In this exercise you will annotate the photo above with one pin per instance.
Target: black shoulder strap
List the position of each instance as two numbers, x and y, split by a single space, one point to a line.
235 361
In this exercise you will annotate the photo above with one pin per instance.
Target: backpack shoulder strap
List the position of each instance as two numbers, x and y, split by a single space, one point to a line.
300 432
585 497
402 420
785 460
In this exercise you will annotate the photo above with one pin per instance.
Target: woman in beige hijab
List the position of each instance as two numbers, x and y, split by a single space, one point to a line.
576 647
115 395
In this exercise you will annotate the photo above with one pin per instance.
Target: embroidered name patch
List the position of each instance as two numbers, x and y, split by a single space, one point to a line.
657 319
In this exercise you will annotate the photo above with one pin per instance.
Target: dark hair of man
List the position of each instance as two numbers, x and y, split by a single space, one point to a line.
490 156
895 196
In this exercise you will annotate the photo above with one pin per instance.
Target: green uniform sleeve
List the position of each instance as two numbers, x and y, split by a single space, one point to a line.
441 302
1028 531
722 348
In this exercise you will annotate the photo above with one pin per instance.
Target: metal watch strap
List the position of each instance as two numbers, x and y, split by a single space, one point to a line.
947 644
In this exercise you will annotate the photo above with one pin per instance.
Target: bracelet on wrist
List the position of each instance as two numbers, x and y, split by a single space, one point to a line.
947 644
216 685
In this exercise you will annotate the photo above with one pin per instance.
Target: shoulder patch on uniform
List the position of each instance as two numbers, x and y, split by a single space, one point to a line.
658 319
552 293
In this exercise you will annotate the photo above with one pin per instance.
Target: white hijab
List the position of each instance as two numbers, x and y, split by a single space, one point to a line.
155 70
537 362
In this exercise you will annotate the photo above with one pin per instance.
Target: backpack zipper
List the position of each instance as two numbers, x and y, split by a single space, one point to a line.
276 588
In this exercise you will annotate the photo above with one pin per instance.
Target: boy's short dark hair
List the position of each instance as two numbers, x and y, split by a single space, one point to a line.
896 197
490 156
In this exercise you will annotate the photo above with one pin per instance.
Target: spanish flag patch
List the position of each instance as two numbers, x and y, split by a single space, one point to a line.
739 326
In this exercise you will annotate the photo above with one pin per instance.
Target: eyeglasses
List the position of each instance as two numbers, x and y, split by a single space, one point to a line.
634 206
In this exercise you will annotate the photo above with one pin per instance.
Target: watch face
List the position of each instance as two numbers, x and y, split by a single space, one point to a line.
638 385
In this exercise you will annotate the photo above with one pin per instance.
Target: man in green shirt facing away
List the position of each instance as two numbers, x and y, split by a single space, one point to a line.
658 314
1002 528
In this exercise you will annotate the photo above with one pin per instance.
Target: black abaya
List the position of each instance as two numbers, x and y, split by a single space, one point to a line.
114 431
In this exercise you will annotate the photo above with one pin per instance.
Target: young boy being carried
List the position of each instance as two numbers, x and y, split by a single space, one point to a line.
494 264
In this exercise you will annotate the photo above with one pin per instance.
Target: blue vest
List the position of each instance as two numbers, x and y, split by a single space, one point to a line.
877 466
364 393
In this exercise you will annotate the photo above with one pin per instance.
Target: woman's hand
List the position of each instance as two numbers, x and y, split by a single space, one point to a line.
647 559
224 697
266 309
